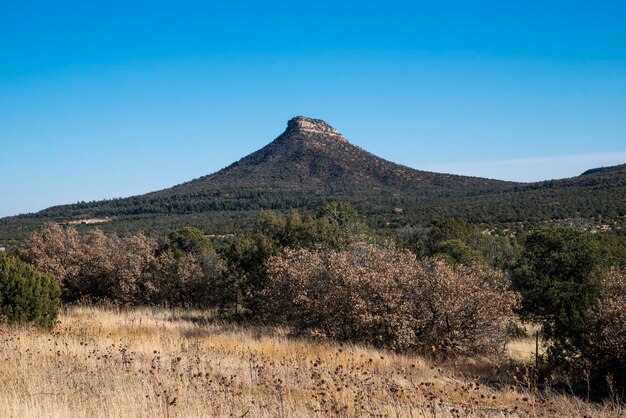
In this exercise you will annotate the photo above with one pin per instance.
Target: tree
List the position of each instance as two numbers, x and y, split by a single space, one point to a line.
27 296
189 272
189 240
559 277
111 269
448 229
345 218
613 247
245 262
456 251
459 242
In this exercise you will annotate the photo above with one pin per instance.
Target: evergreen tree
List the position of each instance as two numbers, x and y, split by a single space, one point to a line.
559 277
27 296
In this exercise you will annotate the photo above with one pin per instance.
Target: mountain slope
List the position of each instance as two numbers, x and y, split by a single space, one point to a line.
311 163
311 155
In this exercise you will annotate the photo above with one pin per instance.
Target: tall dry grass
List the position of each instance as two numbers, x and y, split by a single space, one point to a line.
168 363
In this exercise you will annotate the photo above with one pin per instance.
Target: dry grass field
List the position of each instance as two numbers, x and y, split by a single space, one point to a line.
164 363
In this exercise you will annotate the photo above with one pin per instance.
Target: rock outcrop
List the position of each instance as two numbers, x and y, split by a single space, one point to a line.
303 125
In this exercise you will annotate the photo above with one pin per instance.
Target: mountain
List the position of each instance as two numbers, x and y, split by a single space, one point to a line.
311 163
311 159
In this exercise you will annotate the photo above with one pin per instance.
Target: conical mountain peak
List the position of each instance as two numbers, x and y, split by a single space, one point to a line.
307 126
311 163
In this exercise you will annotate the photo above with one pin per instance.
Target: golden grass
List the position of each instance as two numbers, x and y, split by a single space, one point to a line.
524 349
164 363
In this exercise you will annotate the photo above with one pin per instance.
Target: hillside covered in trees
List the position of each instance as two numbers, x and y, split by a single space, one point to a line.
312 163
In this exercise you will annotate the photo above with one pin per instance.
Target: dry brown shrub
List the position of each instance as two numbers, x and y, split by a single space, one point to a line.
114 268
54 250
388 298
94 266
189 280
97 267
604 350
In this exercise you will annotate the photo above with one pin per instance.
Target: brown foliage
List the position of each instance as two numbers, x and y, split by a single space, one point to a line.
386 297
605 342
95 266
116 268
54 250
190 280
129 271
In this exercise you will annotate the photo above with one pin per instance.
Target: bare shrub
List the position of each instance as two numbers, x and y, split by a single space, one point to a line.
133 270
96 266
603 346
386 297
189 280
114 268
56 251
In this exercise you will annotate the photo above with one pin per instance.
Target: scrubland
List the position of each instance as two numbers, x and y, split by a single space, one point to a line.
181 363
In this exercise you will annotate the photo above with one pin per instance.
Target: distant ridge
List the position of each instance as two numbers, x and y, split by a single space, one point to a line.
604 169
310 163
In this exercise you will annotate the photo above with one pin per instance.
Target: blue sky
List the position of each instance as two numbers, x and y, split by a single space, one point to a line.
107 99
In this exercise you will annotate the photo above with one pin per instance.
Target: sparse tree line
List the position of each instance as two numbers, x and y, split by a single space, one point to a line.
450 289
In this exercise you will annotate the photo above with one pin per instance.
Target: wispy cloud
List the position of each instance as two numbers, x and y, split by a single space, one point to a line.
533 169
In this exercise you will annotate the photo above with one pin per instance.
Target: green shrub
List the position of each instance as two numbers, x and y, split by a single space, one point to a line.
581 307
559 277
27 296
455 251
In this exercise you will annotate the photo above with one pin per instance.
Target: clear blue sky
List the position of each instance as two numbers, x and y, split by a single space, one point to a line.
100 99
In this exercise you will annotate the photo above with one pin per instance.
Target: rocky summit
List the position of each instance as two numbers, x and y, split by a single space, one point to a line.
302 125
